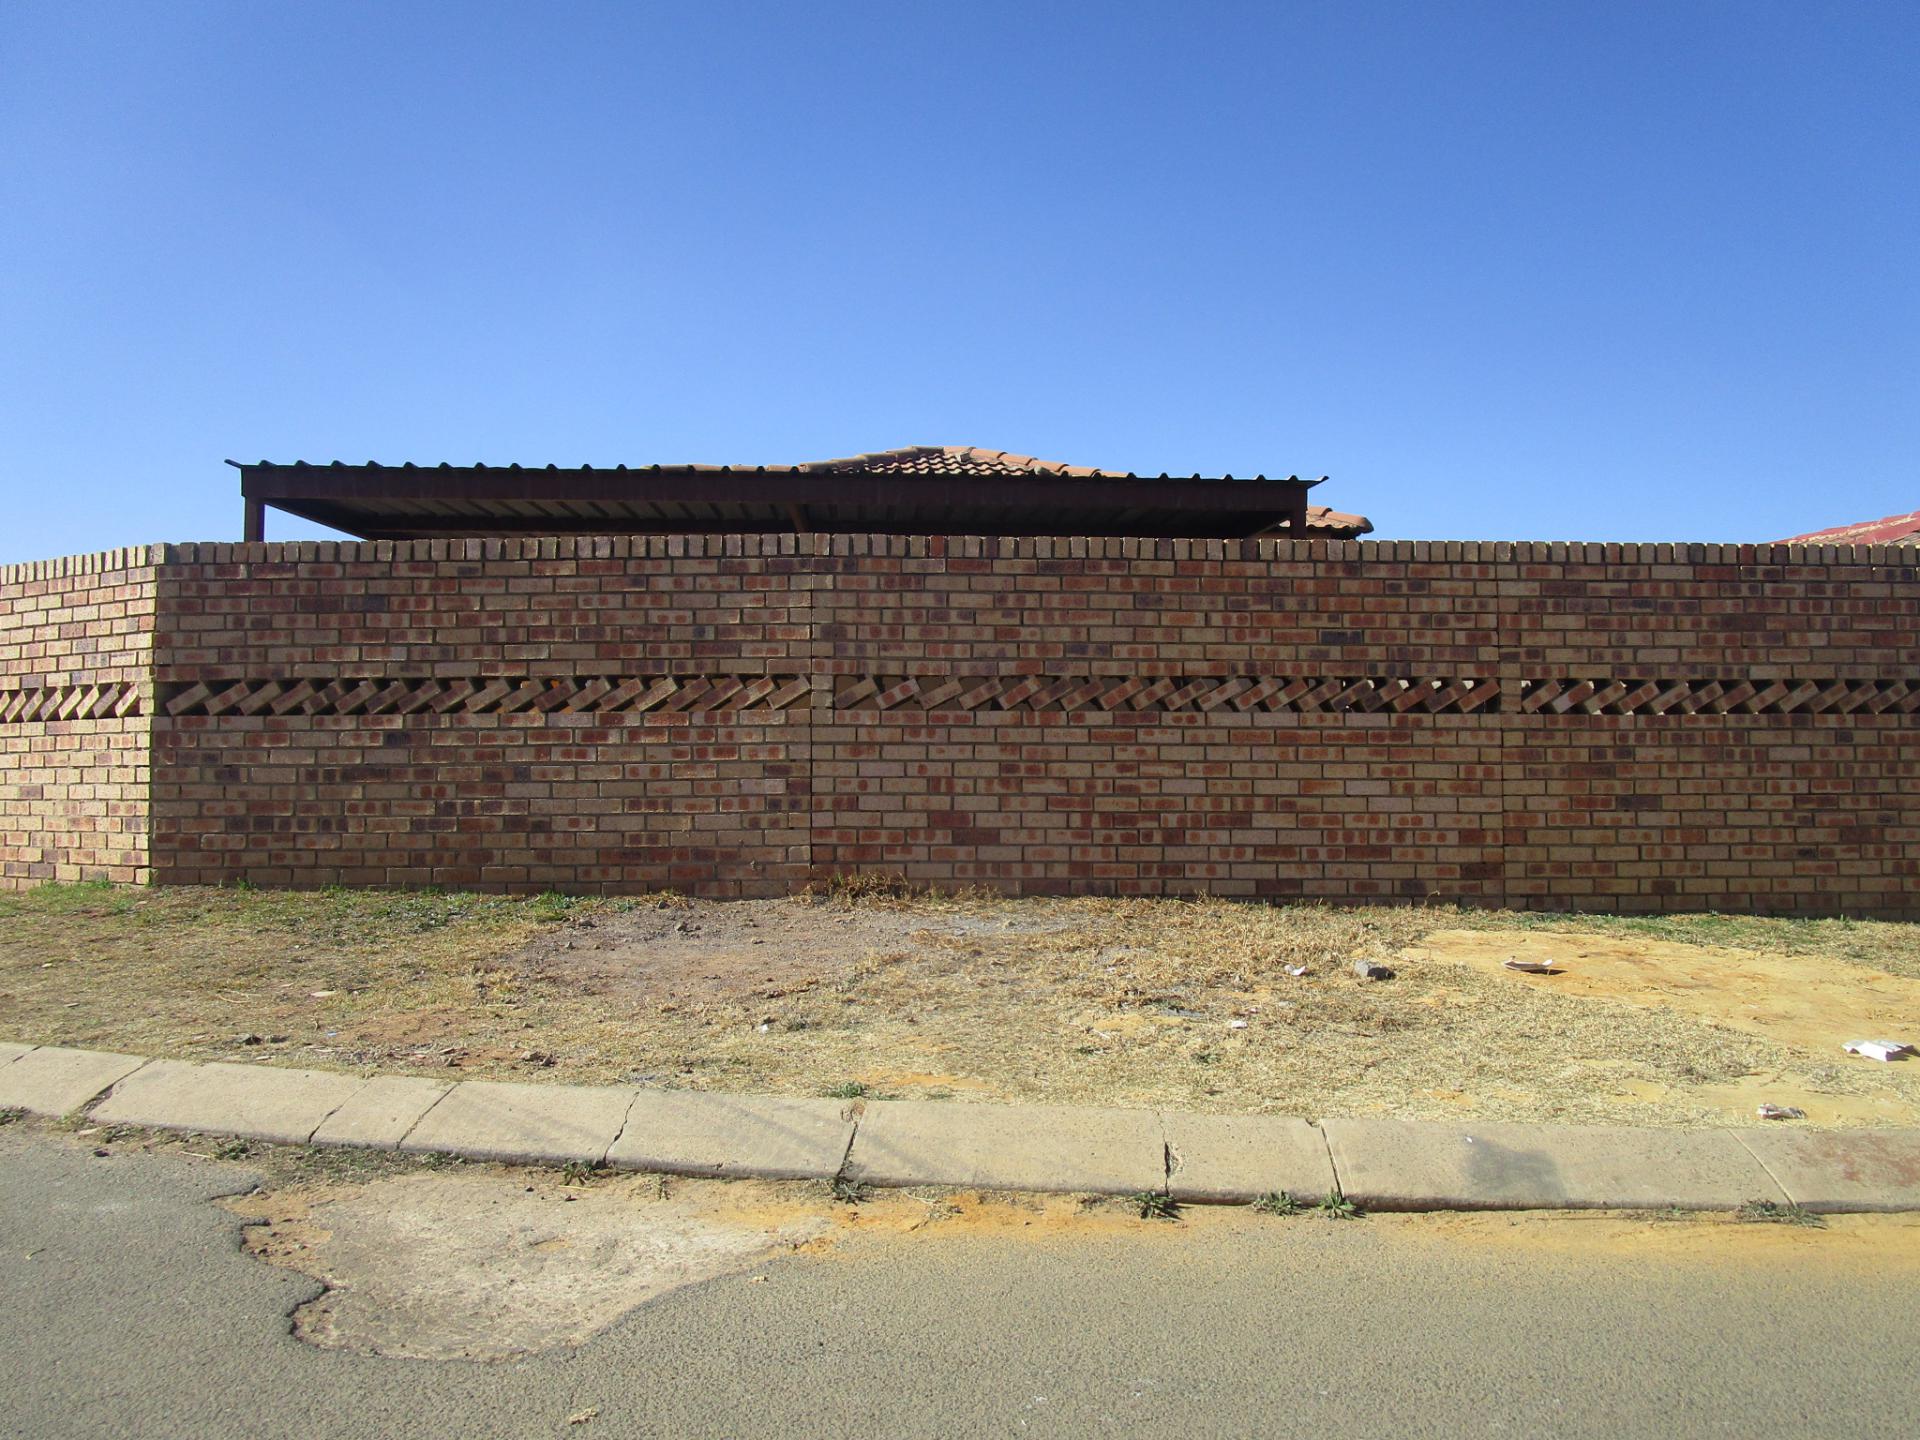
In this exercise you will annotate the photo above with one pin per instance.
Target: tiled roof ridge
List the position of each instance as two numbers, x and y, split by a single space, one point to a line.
1324 517
1889 529
1002 460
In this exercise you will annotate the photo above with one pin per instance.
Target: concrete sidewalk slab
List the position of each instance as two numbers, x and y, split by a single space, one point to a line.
1233 1159
381 1112
1008 1147
52 1080
1841 1170
699 1133
1381 1164
1405 1165
547 1124
258 1102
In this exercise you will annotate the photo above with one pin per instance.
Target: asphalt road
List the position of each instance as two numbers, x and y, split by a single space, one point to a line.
128 1308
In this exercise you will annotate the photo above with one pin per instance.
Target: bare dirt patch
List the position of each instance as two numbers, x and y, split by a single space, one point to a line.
673 952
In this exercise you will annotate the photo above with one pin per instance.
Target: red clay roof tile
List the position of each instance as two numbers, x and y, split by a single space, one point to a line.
1893 530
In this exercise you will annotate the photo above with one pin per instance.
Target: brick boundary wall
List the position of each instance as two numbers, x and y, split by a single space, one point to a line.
76 700
1641 728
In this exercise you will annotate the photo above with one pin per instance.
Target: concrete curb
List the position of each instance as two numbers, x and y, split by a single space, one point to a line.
1216 1159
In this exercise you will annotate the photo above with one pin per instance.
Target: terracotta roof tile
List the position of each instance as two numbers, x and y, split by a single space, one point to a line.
976 460
954 460
1894 530
1337 523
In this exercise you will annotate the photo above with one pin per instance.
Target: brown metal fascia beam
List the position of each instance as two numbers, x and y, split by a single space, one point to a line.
346 521
276 485
446 527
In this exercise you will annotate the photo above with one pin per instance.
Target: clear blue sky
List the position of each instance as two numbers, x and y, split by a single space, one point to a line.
1596 271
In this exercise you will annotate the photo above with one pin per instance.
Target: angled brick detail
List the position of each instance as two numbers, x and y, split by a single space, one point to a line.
594 695
1201 695
117 700
1764 696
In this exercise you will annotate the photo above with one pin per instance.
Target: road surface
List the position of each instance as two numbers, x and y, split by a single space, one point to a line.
128 1307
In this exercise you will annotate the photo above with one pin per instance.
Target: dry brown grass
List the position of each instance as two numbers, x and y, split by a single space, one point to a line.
1084 1001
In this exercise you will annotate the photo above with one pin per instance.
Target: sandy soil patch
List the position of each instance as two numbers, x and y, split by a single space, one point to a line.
1798 1001
1806 1007
1875 1247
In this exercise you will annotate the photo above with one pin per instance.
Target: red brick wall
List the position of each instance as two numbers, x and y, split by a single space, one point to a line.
1523 801
711 798
1636 728
76 638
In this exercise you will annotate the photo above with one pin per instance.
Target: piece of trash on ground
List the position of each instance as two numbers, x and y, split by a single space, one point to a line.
1878 1049
1296 971
1782 1112
1371 970
1236 1025
1530 967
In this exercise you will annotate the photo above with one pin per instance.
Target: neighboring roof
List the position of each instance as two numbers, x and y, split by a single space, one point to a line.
953 460
1894 530
917 490
1327 524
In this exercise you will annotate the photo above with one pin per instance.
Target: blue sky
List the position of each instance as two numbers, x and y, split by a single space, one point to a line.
1641 271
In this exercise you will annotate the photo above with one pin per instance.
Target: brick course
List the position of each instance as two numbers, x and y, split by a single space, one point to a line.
1636 728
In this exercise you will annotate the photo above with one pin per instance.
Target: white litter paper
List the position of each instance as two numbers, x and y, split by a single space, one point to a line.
1530 967
1878 1049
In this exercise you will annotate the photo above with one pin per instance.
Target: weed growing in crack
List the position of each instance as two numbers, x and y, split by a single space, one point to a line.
1337 1207
233 1148
1155 1205
1772 1212
1277 1202
12 1114
848 1192
850 1090
579 1172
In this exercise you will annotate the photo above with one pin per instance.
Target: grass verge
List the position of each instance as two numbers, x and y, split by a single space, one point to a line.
875 991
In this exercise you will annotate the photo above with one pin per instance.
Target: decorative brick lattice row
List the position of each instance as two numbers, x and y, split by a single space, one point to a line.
1719 697
1120 694
1388 695
506 695
68 702
487 695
